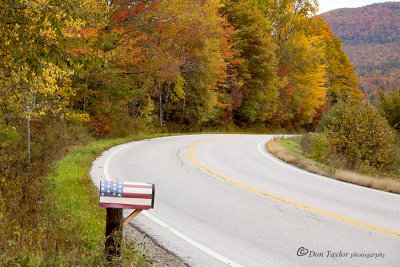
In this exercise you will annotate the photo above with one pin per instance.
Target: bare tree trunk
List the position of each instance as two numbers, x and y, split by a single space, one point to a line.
138 109
161 107
166 99
183 107
29 140
140 105
135 114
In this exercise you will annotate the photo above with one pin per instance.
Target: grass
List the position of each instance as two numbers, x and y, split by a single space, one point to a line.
75 226
292 145
290 151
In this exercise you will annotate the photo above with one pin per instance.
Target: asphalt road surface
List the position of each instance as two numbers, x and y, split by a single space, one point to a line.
224 200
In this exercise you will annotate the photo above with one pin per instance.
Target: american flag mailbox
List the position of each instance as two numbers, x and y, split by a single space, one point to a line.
116 196
126 195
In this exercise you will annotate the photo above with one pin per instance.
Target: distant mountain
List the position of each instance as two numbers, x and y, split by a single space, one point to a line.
371 39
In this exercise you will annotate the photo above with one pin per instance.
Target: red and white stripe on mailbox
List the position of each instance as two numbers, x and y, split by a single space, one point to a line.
126 195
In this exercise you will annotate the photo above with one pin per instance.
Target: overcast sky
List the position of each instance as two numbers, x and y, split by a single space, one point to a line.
326 5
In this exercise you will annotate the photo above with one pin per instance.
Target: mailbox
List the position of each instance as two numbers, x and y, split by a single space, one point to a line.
115 196
126 195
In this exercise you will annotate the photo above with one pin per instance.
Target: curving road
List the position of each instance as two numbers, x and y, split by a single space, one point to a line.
224 200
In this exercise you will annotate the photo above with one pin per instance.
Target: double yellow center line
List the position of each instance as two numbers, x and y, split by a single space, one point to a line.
192 159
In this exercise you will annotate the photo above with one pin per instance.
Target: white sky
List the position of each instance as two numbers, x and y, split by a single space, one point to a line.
326 5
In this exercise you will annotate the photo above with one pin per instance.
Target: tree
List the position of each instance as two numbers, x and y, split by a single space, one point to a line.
258 65
389 105
311 61
37 39
341 81
360 136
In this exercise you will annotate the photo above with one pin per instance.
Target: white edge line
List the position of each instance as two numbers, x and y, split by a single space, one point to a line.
106 175
191 241
282 162
169 228
271 157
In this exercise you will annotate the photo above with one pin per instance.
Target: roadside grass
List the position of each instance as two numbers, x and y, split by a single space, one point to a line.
76 224
290 151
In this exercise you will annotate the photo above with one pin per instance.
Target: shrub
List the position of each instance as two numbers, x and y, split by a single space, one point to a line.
305 143
24 191
315 146
319 146
359 135
389 105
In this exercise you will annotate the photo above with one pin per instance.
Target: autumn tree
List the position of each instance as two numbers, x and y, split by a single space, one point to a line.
358 137
170 55
302 61
389 105
191 44
311 61
341 81
117 91
37 39
258 65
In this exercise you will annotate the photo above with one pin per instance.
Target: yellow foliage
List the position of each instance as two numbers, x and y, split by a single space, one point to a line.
178 92
52 79
78 116
309 74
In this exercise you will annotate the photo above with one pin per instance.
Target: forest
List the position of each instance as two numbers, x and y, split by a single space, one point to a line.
371 39
176 65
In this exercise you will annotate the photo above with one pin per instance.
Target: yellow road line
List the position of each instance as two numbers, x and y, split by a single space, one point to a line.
192 159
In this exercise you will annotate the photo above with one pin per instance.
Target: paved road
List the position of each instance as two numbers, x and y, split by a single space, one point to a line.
224 200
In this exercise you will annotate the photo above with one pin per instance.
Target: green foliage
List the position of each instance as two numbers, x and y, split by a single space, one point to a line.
318 146
292 144
389 104
54 220
37 57
8 135
24 219
258 61
359 136
298 147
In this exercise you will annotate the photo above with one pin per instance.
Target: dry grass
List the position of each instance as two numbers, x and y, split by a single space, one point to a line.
280 152
384 184
315 169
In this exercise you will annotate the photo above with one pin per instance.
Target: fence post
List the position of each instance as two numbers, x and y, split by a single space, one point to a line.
113 234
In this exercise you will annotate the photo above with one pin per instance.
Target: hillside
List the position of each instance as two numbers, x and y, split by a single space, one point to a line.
371 38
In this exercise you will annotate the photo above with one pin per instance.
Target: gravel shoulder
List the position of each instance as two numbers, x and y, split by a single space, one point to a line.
158 255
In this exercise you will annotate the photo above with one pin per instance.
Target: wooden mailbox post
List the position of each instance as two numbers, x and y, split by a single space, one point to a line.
115 196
